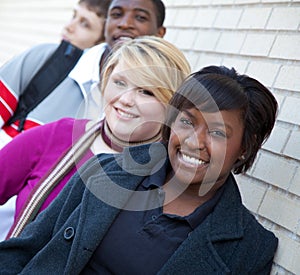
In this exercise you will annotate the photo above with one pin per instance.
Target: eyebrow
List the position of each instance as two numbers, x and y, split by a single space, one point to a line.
135 9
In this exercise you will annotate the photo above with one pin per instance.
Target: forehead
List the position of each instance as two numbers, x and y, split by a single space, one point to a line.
83 9
139 76
144 5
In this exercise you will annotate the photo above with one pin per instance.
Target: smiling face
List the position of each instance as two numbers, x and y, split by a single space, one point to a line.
131 18
133 113
85 29
204 146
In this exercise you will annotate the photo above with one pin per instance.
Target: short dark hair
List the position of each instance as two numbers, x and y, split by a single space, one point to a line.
100 7
160 12
217 88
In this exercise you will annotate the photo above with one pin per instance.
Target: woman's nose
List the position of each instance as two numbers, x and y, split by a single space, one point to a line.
197 140
128 98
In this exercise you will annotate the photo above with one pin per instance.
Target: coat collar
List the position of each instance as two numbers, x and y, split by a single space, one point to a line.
109 184
103 200
199 251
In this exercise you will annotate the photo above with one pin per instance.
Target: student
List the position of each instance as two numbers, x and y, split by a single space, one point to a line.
138 81
163 208
84 31
71 97
86 27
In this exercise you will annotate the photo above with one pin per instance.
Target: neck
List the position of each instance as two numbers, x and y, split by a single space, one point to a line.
117 144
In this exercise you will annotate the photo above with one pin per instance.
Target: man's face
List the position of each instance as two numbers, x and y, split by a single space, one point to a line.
85 29
131 18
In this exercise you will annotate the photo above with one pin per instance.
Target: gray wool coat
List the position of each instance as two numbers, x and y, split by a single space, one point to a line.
63 238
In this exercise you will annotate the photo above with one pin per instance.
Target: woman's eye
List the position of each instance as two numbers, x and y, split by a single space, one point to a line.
120 83
186 121
217 133
146 92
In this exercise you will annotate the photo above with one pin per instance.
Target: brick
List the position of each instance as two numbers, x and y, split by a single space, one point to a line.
222 2
246 1
284 18
288 252
258 44
281 209
290 110
185 17
265 72
168 3
205 17
252 193
197 2
170 19
280 100
275 1
185 39
292 148
254 18
206 40
295 186
230 42
171 35
277 139
192 58
275 170
239 65
176 2
228 18
286 46
288 78
207 60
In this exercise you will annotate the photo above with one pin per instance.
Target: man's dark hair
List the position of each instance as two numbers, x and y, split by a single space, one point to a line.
100 7
160 12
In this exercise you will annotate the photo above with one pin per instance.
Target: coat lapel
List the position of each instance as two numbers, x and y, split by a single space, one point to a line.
199 252
108 188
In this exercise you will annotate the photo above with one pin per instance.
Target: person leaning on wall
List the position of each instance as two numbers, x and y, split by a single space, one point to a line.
138 80
169 207
130 18
17 76
125 19
84 30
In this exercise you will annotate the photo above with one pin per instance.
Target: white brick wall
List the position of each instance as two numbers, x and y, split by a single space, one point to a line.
257 37
27 23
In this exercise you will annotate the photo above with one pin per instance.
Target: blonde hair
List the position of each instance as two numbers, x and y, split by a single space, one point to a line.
153 64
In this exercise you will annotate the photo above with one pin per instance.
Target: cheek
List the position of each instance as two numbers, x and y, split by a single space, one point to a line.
153 111
174 142
110 94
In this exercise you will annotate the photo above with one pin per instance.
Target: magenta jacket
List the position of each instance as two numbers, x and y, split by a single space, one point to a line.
29 156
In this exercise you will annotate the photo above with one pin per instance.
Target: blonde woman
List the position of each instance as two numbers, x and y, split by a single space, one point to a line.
138 80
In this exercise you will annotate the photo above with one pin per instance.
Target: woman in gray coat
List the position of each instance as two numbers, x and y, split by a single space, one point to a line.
163 208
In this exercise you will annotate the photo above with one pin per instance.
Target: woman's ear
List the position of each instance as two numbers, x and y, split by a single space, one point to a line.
242 156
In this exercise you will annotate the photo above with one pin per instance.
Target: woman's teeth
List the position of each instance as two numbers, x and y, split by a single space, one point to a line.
126 115
192 160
